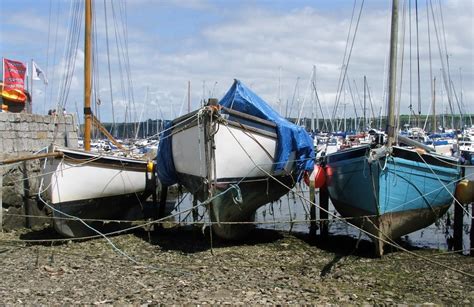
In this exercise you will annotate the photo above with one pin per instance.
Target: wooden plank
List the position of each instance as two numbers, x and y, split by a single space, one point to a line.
30 157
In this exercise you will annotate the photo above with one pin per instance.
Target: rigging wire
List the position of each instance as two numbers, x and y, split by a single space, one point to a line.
340 80
293 99
325 125
361 105
308 91
443 63
70 52
353 104
388 242
346 65
109 67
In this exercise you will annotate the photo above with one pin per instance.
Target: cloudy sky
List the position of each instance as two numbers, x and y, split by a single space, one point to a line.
270 45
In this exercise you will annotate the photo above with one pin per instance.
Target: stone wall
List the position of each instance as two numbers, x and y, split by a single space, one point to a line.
26 134
22 133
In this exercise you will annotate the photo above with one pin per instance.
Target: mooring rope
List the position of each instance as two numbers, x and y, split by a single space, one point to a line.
298 193
450 193
336 217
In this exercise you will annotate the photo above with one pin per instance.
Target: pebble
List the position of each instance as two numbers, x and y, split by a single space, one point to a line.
269 268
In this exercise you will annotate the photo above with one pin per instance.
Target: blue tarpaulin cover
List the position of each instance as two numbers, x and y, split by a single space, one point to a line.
165 164
240 98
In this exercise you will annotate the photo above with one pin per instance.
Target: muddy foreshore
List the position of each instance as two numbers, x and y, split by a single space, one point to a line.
182 265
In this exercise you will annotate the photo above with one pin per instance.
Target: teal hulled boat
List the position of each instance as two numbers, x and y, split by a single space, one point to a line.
391 191
390 194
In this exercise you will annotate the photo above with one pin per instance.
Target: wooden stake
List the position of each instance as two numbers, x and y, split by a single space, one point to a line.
458 220
323 211
312 212
457 228
195 210
26 196
154 195
163 197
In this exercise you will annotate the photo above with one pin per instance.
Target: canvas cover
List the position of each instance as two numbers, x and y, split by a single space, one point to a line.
165 164
240 98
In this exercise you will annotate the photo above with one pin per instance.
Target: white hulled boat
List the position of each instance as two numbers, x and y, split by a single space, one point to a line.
238 154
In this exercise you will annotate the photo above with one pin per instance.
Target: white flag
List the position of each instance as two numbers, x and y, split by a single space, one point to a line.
38 72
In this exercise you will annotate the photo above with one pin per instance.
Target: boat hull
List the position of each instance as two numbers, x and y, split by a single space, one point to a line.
105 215
390 226
231 164
91 186
233 211
393 195
240 152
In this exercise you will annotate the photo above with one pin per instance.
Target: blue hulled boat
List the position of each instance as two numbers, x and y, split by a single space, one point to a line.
389 190
391 193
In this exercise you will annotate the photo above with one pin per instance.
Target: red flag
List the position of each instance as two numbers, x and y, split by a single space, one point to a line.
14 80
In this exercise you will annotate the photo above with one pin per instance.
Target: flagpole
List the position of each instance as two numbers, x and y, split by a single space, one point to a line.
29 105
3 75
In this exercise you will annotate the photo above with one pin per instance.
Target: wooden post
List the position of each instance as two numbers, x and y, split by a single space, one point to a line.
154 196
195 212
323 211
457 228
26 196
312 209
163 196
458 220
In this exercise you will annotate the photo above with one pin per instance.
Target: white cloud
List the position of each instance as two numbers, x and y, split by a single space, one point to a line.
252 43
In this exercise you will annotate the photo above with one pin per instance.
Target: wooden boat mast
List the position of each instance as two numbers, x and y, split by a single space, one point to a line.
87 75
89 118
390 129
